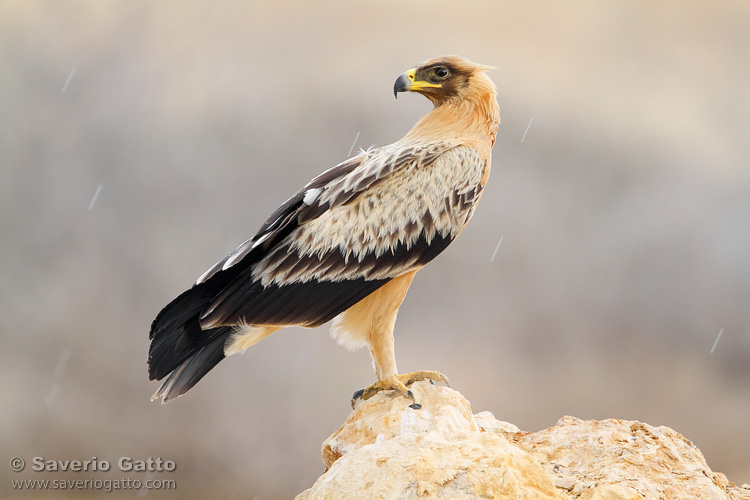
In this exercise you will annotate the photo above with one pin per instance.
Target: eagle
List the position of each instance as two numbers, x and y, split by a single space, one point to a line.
345 247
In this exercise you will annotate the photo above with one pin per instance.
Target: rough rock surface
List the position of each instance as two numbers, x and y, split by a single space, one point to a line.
387 450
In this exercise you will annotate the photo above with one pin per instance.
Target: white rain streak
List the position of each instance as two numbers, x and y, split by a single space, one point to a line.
356 138
143 492
67 82
527 130
496 249
717 340
96 195
62 363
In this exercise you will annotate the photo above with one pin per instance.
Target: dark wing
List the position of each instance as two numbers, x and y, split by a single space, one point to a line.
176 334
344 235
284 219
312 267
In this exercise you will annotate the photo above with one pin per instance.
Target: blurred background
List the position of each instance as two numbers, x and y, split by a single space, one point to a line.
606 273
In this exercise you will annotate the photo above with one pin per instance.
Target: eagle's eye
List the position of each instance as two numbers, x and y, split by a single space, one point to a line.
441 72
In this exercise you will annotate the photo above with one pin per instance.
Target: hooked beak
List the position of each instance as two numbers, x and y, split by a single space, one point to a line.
408 82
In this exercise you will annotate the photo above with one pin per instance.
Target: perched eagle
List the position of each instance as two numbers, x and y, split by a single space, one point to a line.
347 245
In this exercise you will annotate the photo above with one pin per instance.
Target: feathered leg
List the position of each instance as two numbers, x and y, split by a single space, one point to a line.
371 322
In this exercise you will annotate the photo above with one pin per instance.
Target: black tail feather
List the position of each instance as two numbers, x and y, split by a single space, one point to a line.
199 362
175 333
180 349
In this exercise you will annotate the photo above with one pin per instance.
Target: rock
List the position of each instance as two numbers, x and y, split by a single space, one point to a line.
387 450
620 459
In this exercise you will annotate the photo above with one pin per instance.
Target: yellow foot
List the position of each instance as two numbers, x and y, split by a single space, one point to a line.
399 383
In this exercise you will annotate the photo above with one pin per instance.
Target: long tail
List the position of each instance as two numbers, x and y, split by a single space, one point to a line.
199 362
180 350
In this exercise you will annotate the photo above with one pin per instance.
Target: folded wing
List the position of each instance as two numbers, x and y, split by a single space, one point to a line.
345 234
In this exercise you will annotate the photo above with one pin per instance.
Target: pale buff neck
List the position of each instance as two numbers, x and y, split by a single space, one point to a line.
473 119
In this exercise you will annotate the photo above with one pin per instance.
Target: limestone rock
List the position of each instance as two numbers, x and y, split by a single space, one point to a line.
620 459
387 450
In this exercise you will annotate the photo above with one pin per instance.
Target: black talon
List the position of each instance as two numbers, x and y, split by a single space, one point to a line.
410 394
416 406
358 394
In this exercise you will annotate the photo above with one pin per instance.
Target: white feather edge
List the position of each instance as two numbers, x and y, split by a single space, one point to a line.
232 258
311 195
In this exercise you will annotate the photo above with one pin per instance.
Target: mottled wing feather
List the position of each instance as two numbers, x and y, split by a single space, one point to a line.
285 218
376 217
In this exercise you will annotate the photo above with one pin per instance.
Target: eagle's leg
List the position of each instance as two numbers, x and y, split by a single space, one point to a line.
370 322
400 383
